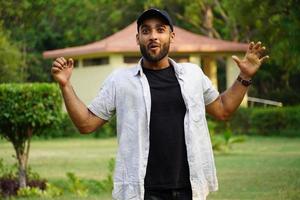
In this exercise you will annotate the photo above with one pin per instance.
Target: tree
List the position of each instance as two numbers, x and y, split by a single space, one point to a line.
11 67
26 109
277 24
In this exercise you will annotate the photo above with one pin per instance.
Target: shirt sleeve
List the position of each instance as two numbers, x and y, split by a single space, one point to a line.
103 105
210 93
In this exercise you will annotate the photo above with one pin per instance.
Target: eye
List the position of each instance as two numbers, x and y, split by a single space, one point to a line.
160 30
145 31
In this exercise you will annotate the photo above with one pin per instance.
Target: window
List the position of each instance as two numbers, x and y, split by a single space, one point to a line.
95 61
76 63
131 59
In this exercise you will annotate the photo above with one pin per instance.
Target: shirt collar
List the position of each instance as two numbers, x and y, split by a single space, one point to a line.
177 67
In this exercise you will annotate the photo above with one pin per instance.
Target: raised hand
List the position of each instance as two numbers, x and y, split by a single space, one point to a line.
62 69
253 59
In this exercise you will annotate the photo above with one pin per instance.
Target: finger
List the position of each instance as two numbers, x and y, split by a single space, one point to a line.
264 58
236 59
261 51
251 45
60 60
257 45
70 63
55 70
63 61
57 64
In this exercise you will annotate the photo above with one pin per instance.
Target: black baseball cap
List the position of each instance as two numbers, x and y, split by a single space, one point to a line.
153 12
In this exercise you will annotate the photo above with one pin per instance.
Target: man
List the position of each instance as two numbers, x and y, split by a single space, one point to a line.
164 146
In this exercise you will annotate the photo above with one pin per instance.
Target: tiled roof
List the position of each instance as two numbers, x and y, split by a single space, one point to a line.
124 41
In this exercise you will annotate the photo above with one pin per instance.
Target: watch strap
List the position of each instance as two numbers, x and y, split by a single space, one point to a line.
244 82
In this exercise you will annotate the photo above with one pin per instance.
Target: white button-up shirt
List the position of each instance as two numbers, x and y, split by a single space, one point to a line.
126 92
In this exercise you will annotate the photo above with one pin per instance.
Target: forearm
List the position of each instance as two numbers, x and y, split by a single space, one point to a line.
232 97
77 110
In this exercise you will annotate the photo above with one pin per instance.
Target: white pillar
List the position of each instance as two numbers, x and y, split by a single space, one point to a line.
232 72
80 62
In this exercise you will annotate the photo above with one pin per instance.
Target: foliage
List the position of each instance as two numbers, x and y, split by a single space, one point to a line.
283 121
106 185
223 141
108 130
50 191
25 110
76 185
277 24
67 129
11 69
9 184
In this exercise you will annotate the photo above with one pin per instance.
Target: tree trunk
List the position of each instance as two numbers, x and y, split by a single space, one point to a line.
208 21
22 151
22 170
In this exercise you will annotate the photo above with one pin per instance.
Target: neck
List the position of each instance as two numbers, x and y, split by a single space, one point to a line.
161 64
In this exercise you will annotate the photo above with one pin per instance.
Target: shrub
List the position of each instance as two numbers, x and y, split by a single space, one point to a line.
26 109
108 130
49 191
283 121
76 185
106 185
67 129
9 184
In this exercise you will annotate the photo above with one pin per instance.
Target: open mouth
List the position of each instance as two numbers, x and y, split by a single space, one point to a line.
153 46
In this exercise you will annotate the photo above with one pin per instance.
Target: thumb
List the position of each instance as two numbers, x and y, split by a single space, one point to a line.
70 63
236 59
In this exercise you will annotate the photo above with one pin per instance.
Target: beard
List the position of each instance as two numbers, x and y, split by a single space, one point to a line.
152 57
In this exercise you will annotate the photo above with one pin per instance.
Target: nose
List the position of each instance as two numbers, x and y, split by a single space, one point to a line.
153 35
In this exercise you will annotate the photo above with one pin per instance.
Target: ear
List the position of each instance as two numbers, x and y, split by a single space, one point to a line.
172 36
137 39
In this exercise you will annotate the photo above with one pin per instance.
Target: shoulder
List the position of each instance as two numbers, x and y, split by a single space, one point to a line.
191 69
120 73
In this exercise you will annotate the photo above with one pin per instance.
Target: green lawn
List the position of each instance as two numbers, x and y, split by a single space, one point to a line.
261 168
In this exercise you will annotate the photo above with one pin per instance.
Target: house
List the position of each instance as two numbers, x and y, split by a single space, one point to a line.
95 61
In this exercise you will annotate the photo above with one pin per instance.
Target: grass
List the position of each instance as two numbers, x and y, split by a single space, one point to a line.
262 168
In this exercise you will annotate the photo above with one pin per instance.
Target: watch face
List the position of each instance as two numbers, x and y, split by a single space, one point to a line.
244 82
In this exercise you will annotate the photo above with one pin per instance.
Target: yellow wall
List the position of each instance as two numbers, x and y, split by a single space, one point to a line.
88 80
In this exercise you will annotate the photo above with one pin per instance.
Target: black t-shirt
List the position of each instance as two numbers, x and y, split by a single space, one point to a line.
167 162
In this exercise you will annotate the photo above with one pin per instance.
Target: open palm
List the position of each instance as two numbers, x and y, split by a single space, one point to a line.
253 59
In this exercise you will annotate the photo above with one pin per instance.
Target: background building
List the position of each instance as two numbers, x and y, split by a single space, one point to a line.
95 61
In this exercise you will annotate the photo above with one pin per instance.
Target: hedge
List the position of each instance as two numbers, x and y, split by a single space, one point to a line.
280 121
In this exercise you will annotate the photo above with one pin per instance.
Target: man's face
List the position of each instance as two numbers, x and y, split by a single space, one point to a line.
154 39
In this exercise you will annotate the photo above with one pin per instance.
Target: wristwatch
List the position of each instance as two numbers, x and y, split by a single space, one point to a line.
244 82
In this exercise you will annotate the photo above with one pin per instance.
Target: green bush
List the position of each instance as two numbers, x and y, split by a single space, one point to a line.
66 129
108 130
26 110
76 185
280 121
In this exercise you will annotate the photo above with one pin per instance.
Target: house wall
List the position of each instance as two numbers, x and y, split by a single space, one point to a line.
87 80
